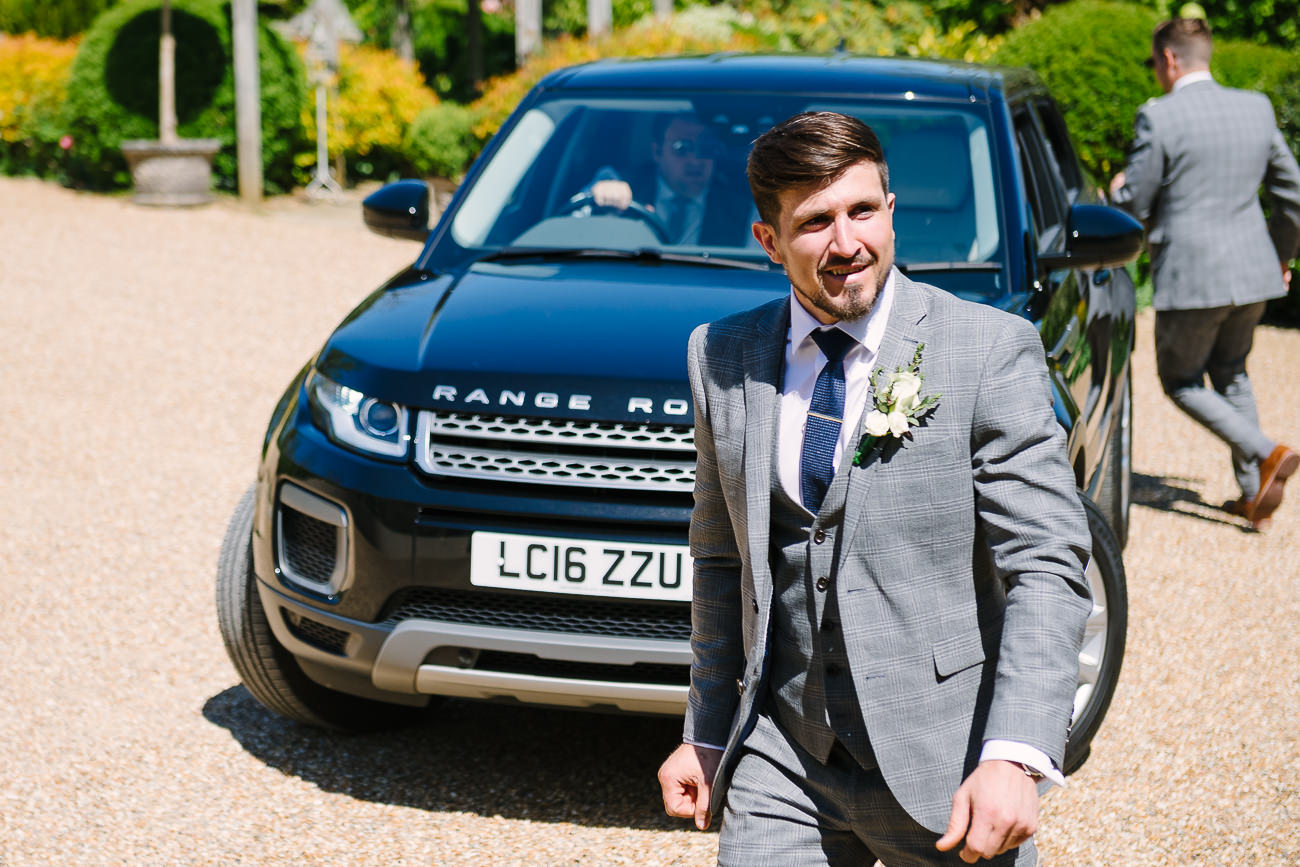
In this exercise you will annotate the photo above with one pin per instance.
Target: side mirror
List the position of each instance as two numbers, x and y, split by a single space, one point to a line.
1098 237
398 210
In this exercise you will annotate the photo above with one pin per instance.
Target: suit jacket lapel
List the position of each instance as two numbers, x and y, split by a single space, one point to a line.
764 356
902 334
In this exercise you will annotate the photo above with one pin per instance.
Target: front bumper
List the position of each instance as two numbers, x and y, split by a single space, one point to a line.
363 572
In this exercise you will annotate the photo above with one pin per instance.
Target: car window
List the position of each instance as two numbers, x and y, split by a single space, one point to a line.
1057 140
537 190
1047 197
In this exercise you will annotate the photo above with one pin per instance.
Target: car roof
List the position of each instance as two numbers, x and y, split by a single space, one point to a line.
776 73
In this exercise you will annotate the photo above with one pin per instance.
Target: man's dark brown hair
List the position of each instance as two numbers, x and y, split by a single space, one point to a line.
1187 38
811 149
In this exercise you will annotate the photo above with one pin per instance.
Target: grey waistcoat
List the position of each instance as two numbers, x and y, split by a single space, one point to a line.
811 692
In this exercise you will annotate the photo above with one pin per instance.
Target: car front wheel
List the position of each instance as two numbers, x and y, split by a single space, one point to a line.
270 672
1103 638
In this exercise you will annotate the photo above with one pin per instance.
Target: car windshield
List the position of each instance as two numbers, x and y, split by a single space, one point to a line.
601 175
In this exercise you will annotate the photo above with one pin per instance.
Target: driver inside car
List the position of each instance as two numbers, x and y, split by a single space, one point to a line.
692 202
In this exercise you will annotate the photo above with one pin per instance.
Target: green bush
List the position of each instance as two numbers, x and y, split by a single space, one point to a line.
113 92
1090 53
441 141
56 20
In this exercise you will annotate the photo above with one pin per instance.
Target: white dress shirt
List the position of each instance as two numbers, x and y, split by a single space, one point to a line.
1191 78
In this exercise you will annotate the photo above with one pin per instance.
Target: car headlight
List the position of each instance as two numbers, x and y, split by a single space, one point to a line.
350 417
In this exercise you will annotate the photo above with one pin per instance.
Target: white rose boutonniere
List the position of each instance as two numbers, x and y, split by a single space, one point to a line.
899 405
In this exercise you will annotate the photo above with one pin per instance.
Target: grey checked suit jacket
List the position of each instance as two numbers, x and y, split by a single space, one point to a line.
1198 158
959 562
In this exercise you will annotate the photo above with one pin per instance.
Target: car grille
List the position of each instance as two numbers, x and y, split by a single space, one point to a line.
585 617
641 456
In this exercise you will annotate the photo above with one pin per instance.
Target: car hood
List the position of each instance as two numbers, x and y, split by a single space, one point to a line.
586 339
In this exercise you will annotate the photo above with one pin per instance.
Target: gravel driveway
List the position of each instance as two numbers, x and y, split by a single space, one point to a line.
141 352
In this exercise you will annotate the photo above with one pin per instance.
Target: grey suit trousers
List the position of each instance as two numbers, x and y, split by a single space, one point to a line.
786 809
1214 342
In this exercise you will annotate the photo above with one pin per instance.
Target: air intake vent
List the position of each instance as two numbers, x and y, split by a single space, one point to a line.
311 540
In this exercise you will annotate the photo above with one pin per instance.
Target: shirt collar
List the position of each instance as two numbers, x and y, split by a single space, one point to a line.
1191 78
869 330
664 193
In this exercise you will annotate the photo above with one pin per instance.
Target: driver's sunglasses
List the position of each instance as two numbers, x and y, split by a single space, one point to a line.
705 150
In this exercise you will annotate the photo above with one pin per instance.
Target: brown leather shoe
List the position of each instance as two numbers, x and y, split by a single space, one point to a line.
1241 508
1274 470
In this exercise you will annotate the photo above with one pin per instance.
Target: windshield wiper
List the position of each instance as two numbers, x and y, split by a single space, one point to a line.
924 267
641 254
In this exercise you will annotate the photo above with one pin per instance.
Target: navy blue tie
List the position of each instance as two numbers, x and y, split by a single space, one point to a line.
825 416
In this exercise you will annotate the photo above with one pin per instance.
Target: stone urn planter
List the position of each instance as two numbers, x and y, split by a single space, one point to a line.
173 173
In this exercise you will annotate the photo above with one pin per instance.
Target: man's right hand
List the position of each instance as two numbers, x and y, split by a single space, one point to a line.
612 194
686 778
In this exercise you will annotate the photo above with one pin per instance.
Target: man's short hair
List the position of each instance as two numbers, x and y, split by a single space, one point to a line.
1187 38
810 149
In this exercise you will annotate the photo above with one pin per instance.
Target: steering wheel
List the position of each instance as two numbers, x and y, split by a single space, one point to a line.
634 209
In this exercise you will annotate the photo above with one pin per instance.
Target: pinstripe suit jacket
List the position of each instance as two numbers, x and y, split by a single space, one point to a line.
1198 159
959 562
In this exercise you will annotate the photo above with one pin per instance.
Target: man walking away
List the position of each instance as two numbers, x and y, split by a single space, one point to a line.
1200 154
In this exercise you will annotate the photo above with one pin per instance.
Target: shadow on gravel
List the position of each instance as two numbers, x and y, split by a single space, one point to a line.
1170 494
494 760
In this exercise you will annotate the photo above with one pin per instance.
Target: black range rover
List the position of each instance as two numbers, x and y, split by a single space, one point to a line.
480 486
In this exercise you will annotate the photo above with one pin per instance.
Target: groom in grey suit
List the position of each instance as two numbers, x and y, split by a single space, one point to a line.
1199 156
885 638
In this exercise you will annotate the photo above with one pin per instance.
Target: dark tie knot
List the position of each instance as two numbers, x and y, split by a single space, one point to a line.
834 343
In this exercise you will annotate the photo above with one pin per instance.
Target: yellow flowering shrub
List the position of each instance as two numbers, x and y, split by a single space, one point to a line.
375 98
33 84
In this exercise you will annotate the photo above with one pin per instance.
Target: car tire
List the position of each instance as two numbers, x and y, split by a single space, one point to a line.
269 672
1102 652
1116 494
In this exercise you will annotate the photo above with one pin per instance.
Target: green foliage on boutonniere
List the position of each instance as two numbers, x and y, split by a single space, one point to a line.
899 405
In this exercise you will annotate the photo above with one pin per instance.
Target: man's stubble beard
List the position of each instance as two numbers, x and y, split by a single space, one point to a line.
848 308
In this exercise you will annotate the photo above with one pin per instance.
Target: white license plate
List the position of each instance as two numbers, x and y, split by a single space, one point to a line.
550 564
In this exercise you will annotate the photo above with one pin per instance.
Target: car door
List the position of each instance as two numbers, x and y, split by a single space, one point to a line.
1066 303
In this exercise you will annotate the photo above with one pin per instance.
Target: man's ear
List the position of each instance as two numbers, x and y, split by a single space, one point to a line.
889 202
766 237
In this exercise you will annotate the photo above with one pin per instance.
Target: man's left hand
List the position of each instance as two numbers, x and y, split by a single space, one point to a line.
995 810
1116 183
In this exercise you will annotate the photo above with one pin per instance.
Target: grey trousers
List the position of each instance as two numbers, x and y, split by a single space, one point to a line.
1194 344
786 809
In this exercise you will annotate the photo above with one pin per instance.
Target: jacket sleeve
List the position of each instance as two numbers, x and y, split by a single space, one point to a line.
1144 171
1282 181
716 644
1037 536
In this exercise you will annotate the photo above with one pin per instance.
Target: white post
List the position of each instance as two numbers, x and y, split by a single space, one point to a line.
248 100
167 79
528 29
600 18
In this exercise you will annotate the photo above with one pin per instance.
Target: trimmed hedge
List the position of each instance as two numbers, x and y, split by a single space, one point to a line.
113 92
33 83
1090 53
56 19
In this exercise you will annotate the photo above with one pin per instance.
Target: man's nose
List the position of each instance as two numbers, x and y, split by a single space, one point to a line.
844 242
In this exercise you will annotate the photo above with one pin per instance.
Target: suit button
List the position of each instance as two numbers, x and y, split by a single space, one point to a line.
822 582
829 626
754 604
819 536
740 687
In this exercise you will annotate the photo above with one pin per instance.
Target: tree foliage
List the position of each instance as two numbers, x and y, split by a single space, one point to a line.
1090 54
